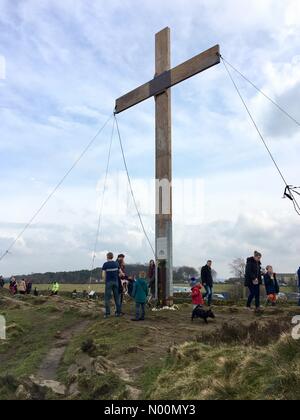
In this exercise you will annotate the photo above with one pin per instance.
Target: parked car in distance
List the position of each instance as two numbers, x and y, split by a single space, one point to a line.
218 296
180 289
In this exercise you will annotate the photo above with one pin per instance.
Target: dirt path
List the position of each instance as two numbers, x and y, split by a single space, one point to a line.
49 367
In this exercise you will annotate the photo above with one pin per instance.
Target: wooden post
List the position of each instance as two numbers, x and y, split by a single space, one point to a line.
160 88
163 223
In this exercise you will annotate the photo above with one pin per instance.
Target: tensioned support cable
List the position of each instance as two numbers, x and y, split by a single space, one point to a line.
131 189
55 189
102 201
287 114
289 190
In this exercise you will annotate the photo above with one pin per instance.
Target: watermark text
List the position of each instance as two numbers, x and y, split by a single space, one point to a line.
2 328
2 68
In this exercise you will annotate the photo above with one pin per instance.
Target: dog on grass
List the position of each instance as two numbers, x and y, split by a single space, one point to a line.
199 312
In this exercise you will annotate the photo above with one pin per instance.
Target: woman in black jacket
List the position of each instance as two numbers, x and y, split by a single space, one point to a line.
253 279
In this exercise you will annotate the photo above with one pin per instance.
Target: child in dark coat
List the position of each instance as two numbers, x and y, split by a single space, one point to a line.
271 285
140 295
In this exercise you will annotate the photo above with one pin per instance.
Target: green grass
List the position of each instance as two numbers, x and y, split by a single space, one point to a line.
101 387
237 356
111 338
204 372
29 338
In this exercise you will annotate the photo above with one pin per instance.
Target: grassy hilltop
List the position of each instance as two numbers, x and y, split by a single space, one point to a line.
59 348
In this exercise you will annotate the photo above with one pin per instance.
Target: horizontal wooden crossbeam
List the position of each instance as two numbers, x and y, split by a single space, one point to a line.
170 78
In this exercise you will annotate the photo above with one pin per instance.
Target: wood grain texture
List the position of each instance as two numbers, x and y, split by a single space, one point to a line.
163 164
168 78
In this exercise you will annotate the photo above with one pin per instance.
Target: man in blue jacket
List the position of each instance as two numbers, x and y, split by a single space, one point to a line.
110 273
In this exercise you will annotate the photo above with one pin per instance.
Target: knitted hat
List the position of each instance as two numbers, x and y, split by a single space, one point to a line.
193 282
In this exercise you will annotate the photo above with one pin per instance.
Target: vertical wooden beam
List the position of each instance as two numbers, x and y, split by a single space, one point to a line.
163 223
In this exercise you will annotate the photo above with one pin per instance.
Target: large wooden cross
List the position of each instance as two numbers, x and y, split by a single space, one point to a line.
159 87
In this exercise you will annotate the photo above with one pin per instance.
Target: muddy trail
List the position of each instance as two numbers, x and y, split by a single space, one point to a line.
49 367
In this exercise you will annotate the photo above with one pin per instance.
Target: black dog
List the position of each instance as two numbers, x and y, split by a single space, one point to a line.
199 312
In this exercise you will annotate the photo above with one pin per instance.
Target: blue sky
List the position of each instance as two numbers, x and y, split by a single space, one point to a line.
67 62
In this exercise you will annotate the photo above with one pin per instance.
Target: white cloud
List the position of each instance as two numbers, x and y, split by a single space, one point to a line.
66 62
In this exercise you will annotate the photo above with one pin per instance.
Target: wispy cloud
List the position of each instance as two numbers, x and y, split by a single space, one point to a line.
66 62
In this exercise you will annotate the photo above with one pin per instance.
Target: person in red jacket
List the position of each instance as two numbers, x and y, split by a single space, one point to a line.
197 298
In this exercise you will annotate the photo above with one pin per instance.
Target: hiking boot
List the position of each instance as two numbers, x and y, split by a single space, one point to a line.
135 320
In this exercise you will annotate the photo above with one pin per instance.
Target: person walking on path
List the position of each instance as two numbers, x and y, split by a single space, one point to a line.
140 295
110 274
253 279
207 281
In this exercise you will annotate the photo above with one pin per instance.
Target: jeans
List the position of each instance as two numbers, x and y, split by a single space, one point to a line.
140 311
112 287
208 294
254 294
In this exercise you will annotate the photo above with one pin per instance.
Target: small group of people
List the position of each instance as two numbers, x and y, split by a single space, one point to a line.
118 285
23 287
255 277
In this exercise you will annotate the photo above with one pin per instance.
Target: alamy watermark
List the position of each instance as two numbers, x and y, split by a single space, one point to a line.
2 328
2 67
184 197
296 329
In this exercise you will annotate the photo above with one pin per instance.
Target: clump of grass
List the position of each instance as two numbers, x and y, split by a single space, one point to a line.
8 386
88 346
257 333
100 387
198 371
